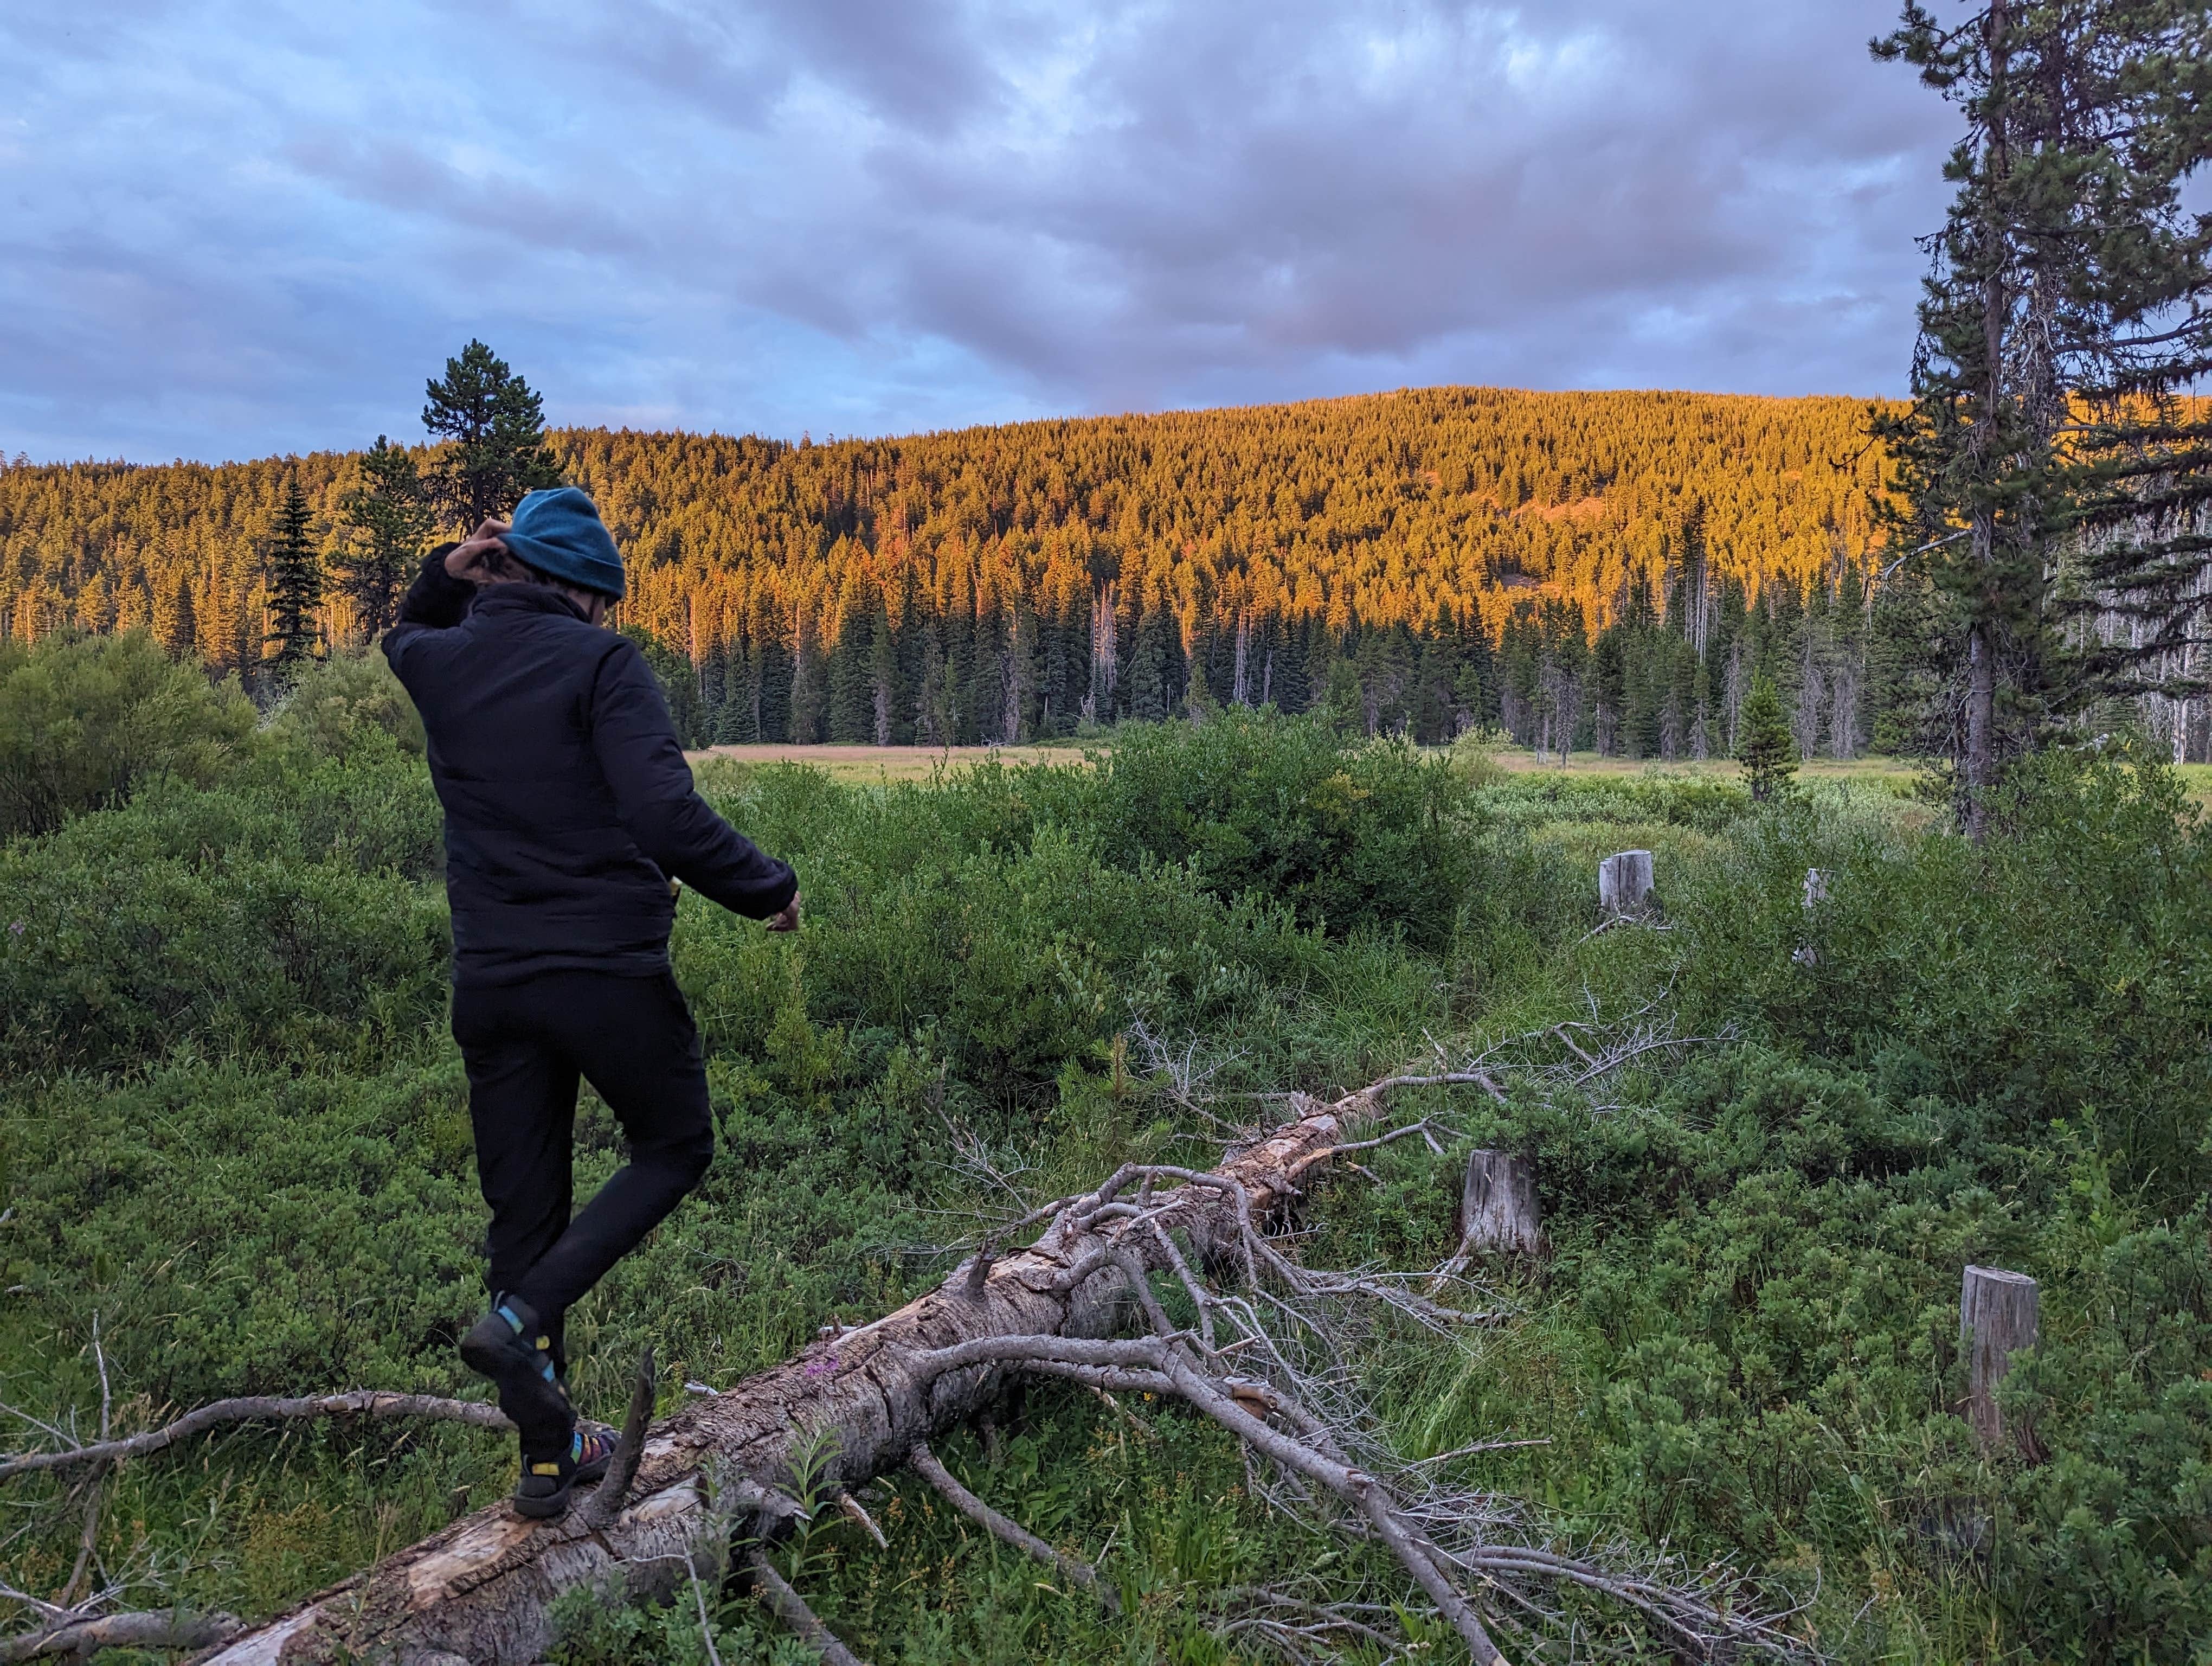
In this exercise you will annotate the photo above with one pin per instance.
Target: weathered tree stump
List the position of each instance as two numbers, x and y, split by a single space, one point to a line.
1498 1211
1624 882
1816 892
1997 1313
1499 1214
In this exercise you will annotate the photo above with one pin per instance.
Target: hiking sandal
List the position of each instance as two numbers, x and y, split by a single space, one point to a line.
547 1482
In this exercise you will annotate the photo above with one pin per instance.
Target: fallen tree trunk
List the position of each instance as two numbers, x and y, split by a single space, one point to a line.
481 1589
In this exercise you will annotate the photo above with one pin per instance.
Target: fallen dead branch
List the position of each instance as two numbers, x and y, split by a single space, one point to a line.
256 1408
163 1628
788 1606
1267 1353
1078 1571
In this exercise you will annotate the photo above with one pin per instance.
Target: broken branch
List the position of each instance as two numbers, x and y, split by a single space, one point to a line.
1080 1571
788 1606
253 1408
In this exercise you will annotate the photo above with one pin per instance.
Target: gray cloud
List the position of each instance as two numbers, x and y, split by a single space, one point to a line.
241 228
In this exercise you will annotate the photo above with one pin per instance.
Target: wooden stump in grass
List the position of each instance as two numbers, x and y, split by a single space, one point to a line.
1623 884
1996 1319
1499 1214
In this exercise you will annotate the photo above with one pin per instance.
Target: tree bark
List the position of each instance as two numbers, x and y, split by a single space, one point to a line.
1997 1313
1981 643
165 1628
481 1587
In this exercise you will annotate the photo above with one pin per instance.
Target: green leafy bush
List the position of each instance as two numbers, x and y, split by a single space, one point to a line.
336 707
232 1125
1347 836
292 915
85 721
2057 973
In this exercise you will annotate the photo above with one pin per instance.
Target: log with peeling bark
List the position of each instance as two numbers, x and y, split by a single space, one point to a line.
481 1588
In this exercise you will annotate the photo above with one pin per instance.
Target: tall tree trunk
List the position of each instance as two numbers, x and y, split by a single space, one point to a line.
1981 645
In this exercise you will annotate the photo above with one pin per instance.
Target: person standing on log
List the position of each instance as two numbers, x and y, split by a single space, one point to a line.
570 813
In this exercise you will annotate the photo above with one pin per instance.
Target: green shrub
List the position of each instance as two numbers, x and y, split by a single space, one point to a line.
1704 803
2057 972
1743 1345
85 721
335 707
1349 836
295 915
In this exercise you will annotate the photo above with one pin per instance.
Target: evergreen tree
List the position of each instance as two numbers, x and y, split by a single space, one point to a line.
295 582
851 667
1151 680
2067 293
1288 684
739 723
1474 683
713 692
1766 749
389 517
494 429
810 687
1609 690
176 626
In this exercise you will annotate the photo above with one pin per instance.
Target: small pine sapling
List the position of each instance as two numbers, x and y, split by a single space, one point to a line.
1765 746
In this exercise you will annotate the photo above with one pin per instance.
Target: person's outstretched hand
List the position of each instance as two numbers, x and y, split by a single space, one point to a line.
788 920
482 558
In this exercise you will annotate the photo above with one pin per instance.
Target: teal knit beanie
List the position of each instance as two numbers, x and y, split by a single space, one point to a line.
560 534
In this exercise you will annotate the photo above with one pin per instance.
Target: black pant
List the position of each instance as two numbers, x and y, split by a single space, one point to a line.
525 1044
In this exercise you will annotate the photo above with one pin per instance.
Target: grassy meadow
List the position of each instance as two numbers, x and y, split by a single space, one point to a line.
234 1134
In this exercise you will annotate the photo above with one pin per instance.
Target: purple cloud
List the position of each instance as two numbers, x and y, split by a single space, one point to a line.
232 233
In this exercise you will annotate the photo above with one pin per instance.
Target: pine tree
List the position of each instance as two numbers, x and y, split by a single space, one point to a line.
810 687
1151 671
1766 749
889 707
176 626
389 517
295 583
2067 293
494 429
852 715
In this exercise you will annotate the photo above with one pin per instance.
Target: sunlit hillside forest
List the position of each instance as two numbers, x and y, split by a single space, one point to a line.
1592 571
237 1152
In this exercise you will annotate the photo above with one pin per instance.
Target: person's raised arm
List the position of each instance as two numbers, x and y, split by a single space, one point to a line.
437 599
635 742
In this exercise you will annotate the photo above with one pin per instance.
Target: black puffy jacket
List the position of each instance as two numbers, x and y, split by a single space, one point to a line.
567 800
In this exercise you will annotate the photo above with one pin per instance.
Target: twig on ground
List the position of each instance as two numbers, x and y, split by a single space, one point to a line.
788 1606
253 1408
1081 1572
706 1626
857 1513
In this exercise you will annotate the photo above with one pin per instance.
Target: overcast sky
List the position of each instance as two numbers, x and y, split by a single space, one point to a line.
234 229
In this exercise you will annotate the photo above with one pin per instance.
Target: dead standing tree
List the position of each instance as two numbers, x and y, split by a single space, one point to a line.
1264 1355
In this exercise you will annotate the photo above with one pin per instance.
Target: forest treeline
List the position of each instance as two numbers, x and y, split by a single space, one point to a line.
1602 569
